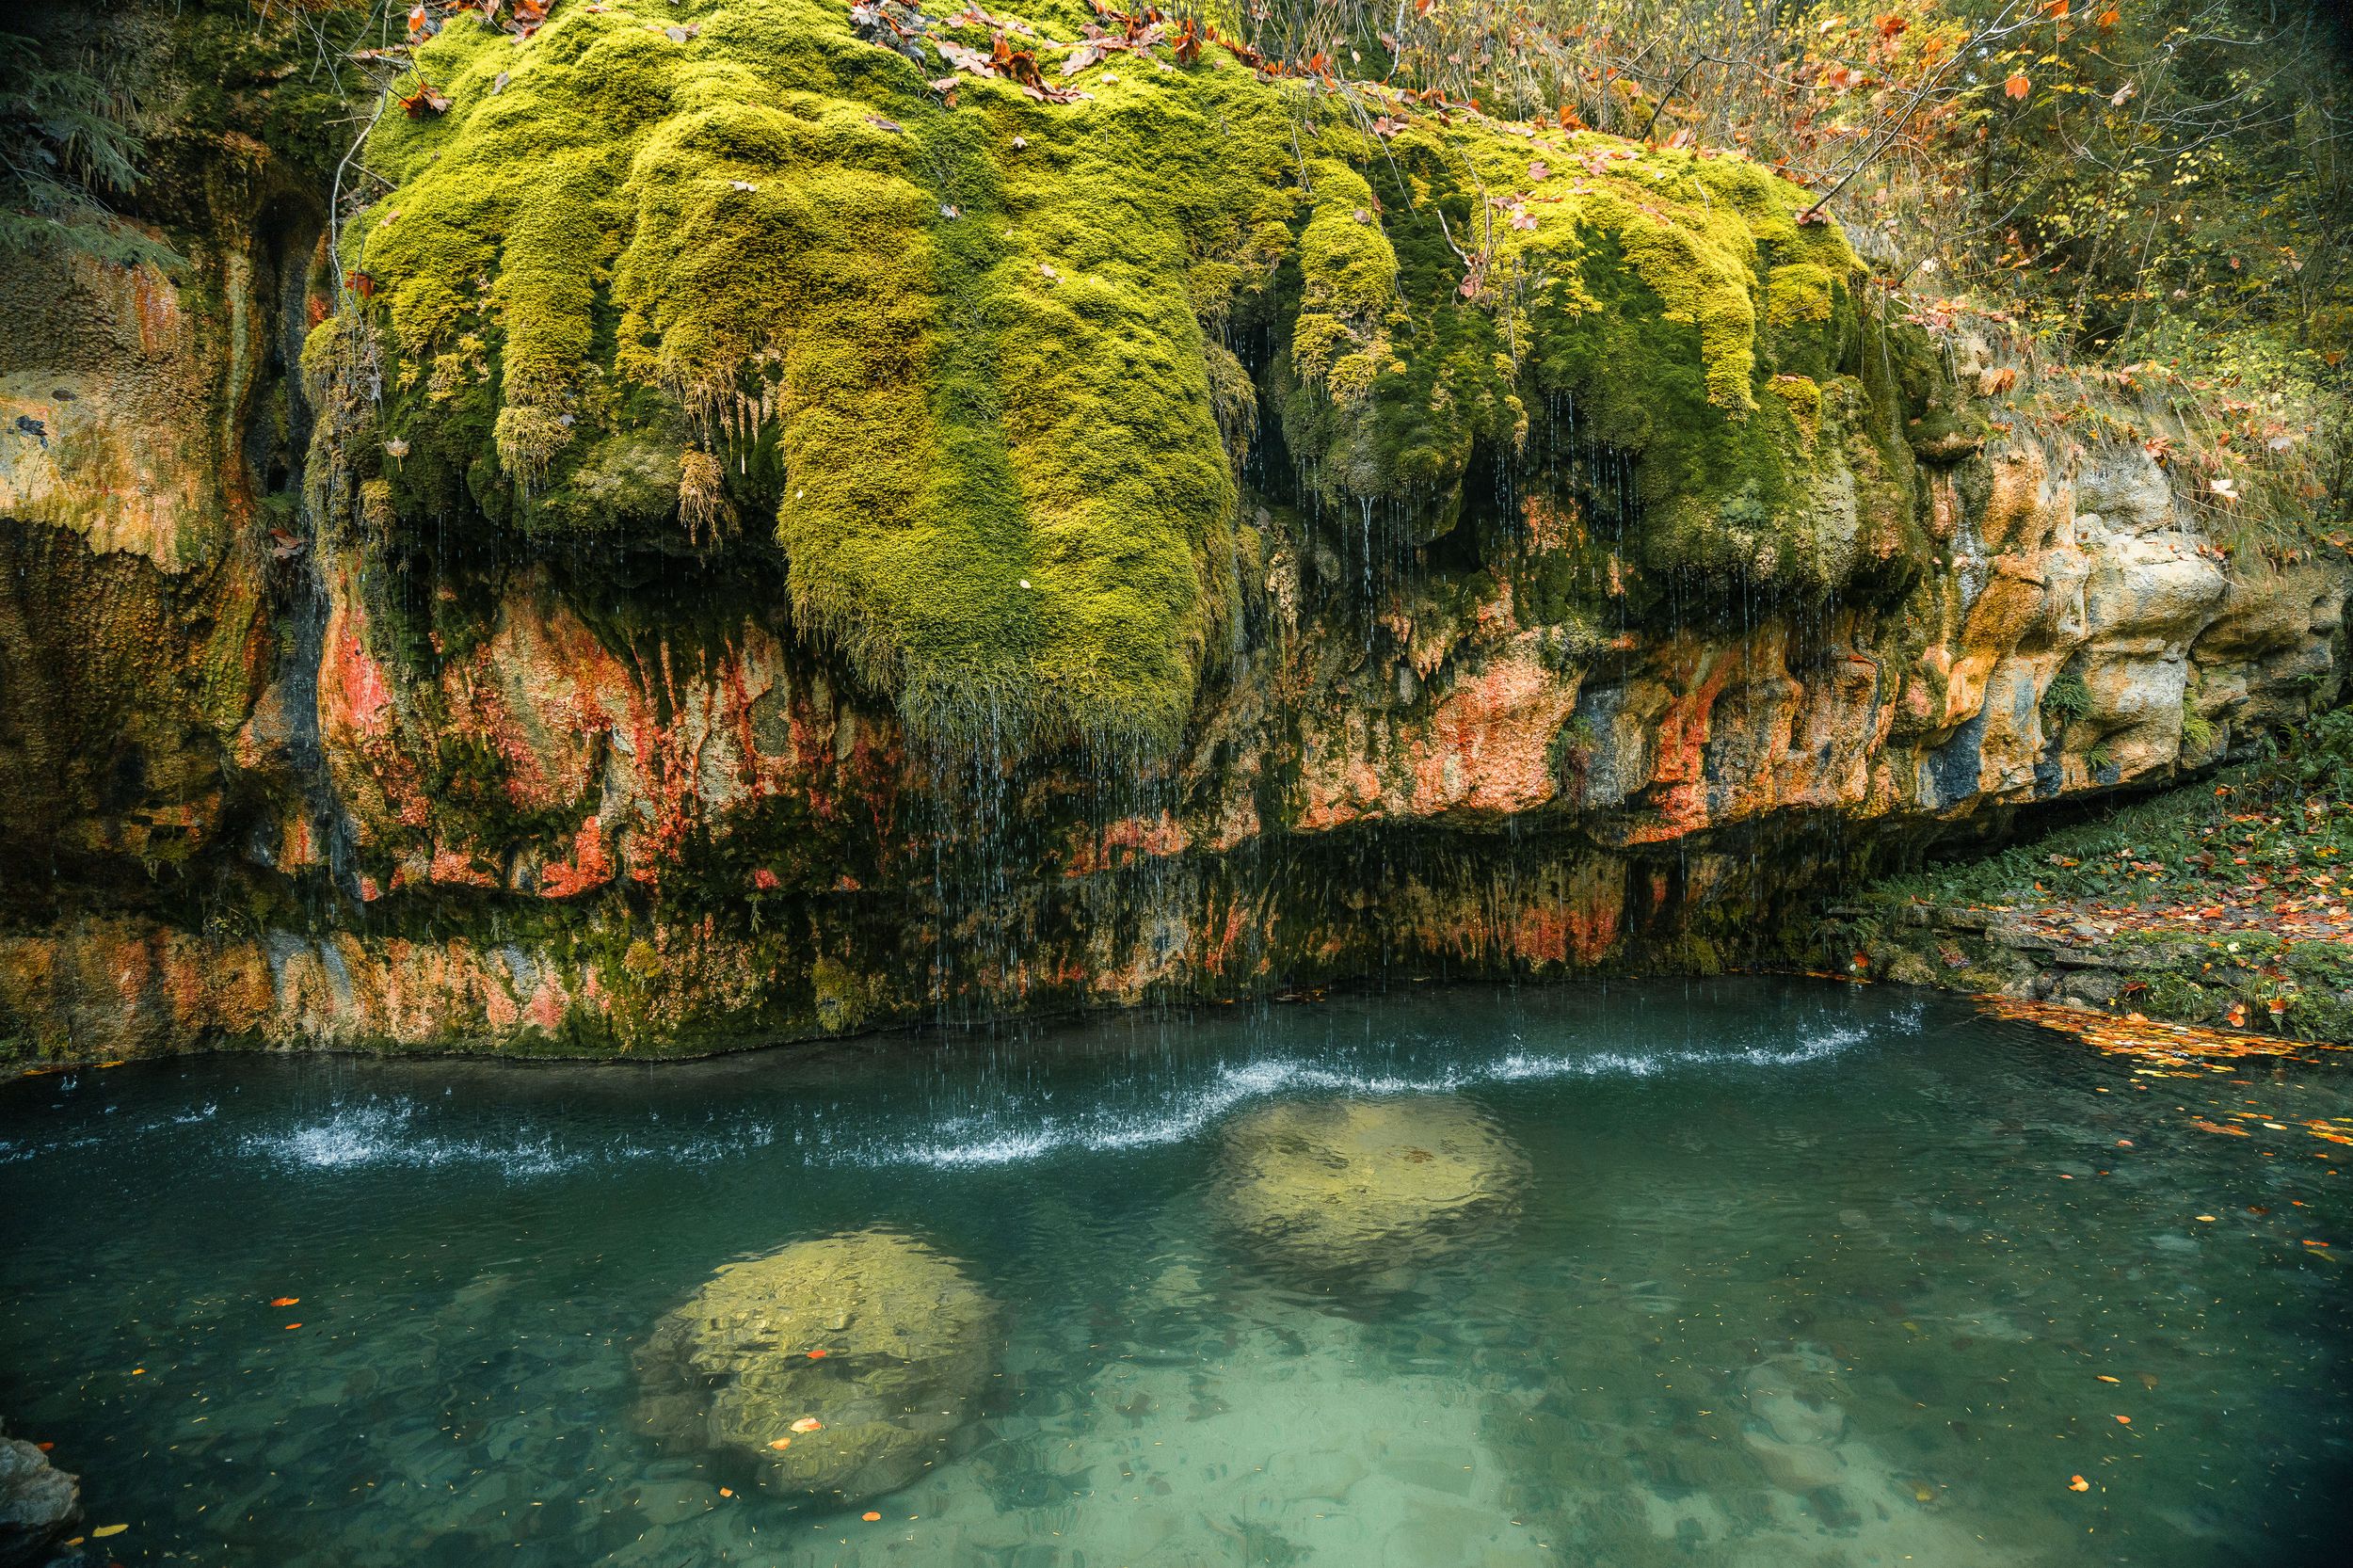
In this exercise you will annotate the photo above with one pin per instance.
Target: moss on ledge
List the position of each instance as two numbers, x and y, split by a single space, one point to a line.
662 270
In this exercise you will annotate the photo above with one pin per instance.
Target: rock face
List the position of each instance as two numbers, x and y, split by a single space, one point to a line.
301 745
1350 1186
39 1503
843 1366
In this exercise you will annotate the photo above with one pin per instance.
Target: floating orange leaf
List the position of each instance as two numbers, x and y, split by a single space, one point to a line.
2124 1420
727 1492
283 1301
2105 1378
2077 1483
870 1518
818 1355
809 1423
2166 1045
781 1443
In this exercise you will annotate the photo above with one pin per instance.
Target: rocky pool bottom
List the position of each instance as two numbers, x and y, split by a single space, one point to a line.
1743 1272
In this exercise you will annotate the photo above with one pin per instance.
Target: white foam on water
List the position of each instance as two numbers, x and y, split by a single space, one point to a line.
965 1141
390 1133
12 1151
378 1134
700 1148
11 1154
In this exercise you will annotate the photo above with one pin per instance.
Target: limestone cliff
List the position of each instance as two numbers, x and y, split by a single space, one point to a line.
816 547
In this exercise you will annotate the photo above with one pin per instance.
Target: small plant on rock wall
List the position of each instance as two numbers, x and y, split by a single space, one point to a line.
2197 732
2065 700
1571 755
69 147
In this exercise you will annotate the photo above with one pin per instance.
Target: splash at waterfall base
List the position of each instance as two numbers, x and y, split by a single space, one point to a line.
783 555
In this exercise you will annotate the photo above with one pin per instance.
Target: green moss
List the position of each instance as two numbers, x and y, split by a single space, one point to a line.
960 340
640 285
1811 321
1657 295
2198 731
1803 396
1234 398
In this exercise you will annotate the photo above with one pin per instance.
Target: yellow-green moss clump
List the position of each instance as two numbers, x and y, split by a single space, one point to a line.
1661 294
662 270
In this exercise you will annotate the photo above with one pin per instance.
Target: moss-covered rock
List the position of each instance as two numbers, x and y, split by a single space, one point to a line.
663 266
842 1365
954 354
1348 1185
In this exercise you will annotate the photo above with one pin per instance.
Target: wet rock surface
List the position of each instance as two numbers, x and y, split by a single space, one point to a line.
1351 1186
39 1503
843 1366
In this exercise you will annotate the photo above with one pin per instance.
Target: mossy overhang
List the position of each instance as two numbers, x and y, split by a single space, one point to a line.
661 269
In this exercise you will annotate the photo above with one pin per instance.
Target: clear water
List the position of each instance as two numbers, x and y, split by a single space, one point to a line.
1789 1274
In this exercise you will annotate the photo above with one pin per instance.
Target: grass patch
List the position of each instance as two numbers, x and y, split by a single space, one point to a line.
2285 821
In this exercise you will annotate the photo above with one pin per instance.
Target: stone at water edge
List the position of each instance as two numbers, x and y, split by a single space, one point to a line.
1349 1185
39 1503
906 1342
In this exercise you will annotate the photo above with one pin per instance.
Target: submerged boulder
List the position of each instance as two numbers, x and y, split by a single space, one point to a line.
1350 1185
1796 1395
844 1364
39 1502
